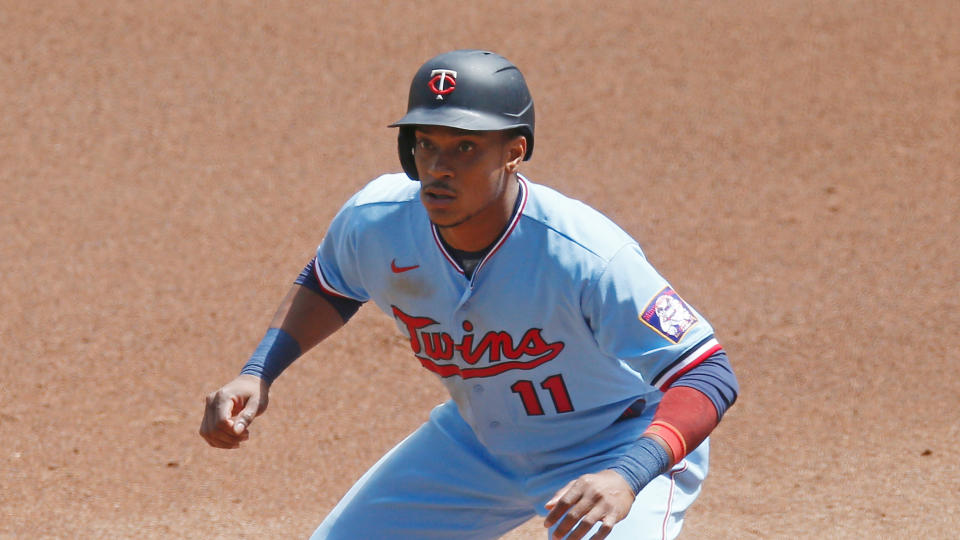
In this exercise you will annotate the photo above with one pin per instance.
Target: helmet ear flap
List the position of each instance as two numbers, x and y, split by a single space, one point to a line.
406 138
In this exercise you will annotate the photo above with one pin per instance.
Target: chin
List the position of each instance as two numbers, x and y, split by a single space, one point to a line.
446 221
442 217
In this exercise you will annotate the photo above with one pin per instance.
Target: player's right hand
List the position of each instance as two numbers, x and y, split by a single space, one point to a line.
230 410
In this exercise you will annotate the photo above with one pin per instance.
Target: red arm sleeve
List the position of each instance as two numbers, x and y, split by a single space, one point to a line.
690 413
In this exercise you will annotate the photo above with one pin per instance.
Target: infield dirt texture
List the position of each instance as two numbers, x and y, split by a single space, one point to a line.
166 168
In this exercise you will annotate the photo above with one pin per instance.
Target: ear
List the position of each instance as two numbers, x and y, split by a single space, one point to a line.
516 148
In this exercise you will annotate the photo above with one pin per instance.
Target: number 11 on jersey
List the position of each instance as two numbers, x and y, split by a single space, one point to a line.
553 384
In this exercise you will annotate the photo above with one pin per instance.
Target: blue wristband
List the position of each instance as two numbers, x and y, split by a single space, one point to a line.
643 462
277 350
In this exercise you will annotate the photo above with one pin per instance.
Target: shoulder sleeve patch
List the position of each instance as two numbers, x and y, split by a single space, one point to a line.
668 315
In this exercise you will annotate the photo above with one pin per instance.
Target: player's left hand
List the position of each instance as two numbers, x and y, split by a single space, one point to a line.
604 497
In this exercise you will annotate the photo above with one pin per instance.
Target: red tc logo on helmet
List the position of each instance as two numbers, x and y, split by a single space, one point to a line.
442 82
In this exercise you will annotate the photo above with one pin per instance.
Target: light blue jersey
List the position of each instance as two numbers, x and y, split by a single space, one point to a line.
562 326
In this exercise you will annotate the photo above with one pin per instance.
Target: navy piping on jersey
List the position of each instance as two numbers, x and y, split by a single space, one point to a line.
346 307
696 354
469 261
514 219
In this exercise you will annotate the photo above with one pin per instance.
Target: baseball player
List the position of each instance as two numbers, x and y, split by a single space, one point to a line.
583 387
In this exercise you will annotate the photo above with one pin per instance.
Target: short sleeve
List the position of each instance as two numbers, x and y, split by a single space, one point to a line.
636 316
336 264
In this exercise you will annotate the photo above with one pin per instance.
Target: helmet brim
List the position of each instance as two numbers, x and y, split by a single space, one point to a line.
458 118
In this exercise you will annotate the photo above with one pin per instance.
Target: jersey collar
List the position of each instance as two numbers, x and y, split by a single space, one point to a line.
512 224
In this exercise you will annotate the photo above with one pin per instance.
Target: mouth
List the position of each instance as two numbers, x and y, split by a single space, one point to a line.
437 194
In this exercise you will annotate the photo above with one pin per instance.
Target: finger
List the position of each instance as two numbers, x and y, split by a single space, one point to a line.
217 443
223 437
557 511
219 434
586 524
217 412
214 437
560 492
225 405
558 505
215 429
246 416
581 531
605 529
553 500
208 425
568 522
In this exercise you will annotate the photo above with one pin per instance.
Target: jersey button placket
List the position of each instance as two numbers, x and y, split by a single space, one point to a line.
465 298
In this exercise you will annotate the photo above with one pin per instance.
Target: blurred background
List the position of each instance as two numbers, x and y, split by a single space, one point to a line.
166 169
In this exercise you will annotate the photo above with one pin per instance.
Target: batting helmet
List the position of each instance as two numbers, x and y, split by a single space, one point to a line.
471 90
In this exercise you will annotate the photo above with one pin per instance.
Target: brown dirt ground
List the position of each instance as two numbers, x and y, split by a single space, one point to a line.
167 167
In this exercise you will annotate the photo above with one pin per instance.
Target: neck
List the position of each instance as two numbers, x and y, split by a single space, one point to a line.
486 226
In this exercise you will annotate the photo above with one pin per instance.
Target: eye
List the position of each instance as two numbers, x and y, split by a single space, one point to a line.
465 146
423 144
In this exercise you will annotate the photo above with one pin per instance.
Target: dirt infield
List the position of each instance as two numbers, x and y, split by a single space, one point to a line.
166 168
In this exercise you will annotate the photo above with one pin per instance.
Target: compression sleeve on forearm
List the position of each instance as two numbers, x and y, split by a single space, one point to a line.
277 350
684 418
346 307
689 410
641 463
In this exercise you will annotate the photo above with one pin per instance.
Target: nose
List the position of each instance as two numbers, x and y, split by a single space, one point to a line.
438 165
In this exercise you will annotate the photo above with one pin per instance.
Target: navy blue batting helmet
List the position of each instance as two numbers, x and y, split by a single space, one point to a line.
468 89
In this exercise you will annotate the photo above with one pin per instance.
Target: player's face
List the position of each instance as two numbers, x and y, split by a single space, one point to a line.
468 181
